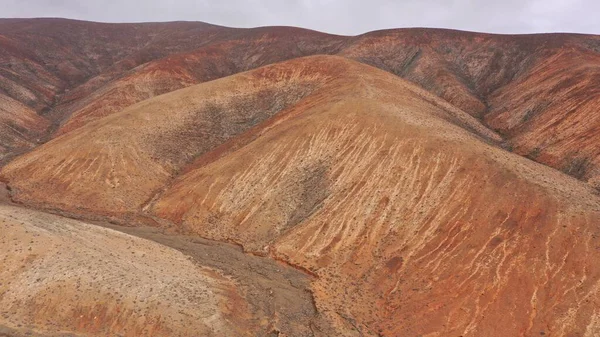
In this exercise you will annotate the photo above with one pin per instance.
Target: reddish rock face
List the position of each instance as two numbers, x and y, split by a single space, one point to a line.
402 194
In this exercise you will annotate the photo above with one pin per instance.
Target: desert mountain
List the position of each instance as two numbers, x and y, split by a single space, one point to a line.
387 188
114 166
42 59
99 69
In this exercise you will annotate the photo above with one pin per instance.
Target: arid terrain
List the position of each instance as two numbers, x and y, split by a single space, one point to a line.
187 179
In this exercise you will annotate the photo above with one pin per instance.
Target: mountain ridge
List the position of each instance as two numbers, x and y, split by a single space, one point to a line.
416 54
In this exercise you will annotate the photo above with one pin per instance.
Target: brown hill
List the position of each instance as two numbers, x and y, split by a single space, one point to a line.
403 207
413 226
41 60
74 72
367 202
540 92
116 164
233 53
44 57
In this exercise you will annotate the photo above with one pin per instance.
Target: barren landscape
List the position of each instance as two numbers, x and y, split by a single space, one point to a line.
187 179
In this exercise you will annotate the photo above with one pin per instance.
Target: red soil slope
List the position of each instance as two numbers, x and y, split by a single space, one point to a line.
413 226
41 60
394 190
75 72
400 204
551 115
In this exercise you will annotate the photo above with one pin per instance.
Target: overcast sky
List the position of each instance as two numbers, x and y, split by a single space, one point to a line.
334 16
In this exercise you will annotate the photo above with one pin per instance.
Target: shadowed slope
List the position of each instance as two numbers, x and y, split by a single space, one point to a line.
42 57
20 128
42 60
551 115
464 68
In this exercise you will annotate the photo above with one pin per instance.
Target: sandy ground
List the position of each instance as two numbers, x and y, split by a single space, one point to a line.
63 277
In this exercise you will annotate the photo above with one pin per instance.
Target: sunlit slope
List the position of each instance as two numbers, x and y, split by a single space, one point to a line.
64 276
115 165
412 224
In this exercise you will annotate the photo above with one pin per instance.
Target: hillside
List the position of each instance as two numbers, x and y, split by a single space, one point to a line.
478 73
395 208
115 165
42 60
89 287
277 181
393 198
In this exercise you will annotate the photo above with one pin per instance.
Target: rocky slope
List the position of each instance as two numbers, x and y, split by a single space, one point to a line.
115 165
99 69
412 225
405 209
43 60
386 189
